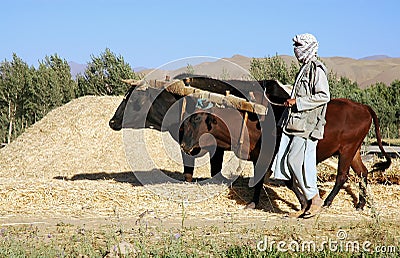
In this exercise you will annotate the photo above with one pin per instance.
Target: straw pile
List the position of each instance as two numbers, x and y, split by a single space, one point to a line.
71 164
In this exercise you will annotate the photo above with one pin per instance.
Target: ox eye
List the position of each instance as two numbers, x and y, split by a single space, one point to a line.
196 119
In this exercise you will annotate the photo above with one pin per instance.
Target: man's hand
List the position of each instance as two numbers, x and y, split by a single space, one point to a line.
289 102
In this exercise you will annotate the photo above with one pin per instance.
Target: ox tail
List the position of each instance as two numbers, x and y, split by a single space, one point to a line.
380 166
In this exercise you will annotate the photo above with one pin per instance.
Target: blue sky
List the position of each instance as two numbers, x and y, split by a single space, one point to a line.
150 33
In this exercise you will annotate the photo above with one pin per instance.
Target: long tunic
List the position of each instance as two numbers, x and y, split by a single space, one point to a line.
303 125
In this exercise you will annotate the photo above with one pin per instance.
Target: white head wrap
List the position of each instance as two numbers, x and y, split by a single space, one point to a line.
305 47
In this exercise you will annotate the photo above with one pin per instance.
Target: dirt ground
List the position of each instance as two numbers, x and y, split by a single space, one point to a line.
70 167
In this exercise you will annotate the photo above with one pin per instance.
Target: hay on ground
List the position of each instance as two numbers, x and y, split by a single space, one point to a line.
71 164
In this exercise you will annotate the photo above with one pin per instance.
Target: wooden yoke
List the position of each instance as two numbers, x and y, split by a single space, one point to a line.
228 100
178 87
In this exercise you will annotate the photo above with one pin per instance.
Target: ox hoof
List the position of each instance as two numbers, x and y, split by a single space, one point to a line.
360 206
296 214
327 204
251 206
188 177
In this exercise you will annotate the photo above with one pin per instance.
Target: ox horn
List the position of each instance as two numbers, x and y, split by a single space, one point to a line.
133 82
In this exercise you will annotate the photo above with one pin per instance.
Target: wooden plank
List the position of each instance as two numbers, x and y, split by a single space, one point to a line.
375 149
220 99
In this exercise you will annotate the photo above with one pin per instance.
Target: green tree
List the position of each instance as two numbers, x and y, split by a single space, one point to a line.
189 69
273 68
103 75
16 78
27 94
395 101
385 102
53 86
343 87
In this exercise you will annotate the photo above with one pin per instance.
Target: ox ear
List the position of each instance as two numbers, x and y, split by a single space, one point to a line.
209 121
136 84
213 120
286 87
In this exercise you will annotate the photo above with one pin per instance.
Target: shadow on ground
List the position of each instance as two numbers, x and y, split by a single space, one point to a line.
238 191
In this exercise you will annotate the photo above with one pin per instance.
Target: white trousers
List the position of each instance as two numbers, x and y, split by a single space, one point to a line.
296 158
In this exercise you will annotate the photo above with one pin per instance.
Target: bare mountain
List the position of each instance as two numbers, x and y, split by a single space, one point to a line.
363 71
375 57
76 68
139 69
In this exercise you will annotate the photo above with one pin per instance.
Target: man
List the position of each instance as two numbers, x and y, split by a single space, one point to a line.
303 125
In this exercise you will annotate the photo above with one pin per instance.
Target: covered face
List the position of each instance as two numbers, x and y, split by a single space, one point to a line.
305 47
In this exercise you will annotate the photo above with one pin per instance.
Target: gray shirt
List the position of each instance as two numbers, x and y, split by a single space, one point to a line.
311 91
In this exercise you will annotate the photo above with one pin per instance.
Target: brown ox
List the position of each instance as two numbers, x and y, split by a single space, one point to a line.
347 125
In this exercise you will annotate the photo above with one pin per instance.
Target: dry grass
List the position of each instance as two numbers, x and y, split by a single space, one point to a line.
71 165
327 172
